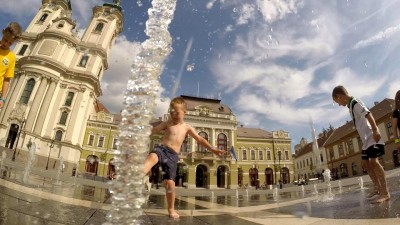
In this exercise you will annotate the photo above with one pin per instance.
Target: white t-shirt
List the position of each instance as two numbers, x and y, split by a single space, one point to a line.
363 127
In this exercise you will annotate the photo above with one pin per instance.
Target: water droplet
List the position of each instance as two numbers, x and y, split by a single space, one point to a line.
190 67
234 10
139 3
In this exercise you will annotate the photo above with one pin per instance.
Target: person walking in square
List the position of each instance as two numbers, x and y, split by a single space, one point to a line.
10 34
166 154
372 144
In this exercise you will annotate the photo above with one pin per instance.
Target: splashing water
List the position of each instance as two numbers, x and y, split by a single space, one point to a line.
361 183
60 170
127 189
315 189
275 194
31 159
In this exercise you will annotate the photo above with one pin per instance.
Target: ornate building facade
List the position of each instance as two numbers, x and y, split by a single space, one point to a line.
257 150
57 80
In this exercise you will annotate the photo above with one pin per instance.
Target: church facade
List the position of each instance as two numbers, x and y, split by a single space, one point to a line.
57 81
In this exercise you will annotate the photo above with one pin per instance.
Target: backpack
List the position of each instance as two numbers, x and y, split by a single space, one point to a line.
352 104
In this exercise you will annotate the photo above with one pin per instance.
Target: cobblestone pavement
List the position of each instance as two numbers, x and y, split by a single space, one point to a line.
51 203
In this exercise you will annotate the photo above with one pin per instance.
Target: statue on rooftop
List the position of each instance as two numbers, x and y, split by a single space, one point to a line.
117 2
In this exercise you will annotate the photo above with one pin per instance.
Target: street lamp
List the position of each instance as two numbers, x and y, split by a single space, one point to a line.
279 165
19 134
48 158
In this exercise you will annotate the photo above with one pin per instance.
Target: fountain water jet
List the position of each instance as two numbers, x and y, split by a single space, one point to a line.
275 194
127 189
31 159
60 170
315 189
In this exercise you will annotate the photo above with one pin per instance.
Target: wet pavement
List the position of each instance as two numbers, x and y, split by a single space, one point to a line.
44 201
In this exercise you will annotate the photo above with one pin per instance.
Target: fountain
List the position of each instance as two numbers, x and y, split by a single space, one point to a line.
361 183
275 194
31 159
60 170
3 157
128 195
328 196
340 186
315 189
302 190
237 194
212 195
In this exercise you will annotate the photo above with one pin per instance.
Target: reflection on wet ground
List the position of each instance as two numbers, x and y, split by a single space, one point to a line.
83 204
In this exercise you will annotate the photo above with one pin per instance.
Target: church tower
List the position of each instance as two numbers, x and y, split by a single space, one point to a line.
57 80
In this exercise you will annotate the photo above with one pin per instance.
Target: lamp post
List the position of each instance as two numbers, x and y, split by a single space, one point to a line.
279 165
19 134
48 158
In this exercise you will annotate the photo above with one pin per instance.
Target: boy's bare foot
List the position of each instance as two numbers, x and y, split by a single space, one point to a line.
173 214
382 199
372 194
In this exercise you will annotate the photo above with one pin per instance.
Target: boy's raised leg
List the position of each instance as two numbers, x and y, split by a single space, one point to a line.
151 160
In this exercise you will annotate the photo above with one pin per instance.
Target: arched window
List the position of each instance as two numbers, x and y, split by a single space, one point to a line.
91 139
84 60
68 100
252 154
92 162
58 135
61 24
99 27
201 148
184 146
222 142
26 94
43 17
63 118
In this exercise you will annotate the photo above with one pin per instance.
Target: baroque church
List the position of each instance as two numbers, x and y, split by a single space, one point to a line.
57 82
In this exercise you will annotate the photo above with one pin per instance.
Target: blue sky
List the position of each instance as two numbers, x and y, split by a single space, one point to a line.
274 62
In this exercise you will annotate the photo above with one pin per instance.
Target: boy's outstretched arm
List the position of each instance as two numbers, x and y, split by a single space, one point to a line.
204 142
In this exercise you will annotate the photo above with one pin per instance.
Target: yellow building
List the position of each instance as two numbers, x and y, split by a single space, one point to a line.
257 150
99 144
264 158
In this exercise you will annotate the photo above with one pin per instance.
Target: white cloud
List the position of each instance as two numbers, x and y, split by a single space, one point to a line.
273 10
380 36
115 78
246 13
354 83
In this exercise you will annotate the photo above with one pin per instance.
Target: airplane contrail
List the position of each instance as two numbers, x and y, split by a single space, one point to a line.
185 57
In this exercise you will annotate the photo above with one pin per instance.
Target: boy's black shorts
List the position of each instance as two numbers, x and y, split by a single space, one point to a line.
373 151
168 160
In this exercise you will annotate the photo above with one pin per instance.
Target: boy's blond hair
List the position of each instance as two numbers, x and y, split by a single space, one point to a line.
178 101
339 90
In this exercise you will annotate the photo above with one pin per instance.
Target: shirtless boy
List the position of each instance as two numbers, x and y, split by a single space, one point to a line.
166 154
